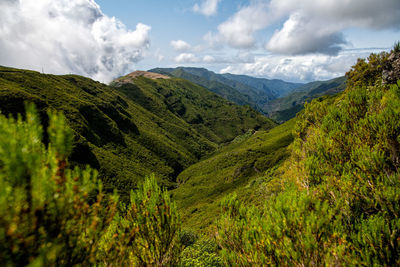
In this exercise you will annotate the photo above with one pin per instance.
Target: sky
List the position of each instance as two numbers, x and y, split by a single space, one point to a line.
297 41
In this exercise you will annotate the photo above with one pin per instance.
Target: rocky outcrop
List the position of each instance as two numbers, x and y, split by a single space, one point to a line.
391 70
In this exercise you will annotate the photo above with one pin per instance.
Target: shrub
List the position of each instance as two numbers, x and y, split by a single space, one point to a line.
187 237
148 232
396 47
52 215
203 253
48 216
340 201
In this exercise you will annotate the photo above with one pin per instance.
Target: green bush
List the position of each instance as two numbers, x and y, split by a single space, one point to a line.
340 200
396 47
187 237
49 214
203 253
53 215
148 233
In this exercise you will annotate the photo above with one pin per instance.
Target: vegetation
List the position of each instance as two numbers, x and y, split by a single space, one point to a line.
278 99
285 108
274 88
218 83
239 166
396 47
320 189
221 89
131 131
339 200
53 215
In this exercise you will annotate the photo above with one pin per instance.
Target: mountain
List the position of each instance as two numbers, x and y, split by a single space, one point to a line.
221 89
278 99
284 108
275 87
136 126
255 97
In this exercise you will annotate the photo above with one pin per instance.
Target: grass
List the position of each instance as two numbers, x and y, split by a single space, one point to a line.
238 166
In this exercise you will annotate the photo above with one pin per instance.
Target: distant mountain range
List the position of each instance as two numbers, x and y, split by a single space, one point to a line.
278 99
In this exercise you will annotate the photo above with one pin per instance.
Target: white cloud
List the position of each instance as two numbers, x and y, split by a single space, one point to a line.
186 58
209 59
299 35
207 7
315 26
68 36
180 46
311 26
303 68
158 56
238 31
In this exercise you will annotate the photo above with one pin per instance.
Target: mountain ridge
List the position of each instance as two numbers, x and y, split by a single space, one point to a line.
136 128
265 95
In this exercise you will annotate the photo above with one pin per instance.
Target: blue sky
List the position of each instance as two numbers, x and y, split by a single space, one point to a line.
293 40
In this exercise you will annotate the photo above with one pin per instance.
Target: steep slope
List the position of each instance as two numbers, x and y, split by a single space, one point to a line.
285 108
338 203
215 118
130 131
230 169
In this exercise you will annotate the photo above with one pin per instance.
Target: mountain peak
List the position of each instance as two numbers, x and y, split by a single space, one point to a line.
139 73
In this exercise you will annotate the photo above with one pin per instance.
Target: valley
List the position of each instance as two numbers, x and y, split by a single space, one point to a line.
202 133
180 163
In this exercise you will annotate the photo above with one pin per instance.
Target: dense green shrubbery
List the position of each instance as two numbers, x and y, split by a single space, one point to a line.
203 253
341 201
52 215
148 233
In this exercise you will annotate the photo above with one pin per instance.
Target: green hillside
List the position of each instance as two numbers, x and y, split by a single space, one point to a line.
221 89
278 99
130 131
198 75
285 108
338 202
202 186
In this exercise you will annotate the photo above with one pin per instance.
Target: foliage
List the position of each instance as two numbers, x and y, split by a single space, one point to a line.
340 200
396 47
188 237
148 233
53 215
289 231
203 253
367 72
49 214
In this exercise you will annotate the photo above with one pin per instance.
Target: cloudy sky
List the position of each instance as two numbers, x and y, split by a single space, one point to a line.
293 40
